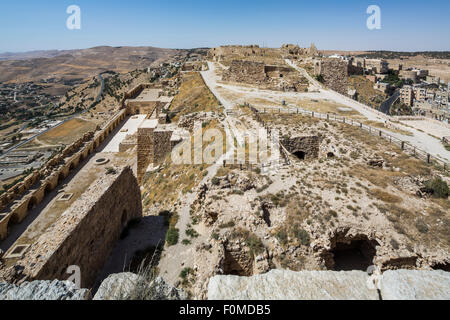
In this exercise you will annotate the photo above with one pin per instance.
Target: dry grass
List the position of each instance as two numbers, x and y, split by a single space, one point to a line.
68 132
385 196
381 125
194 96
366 93
378 177
165 185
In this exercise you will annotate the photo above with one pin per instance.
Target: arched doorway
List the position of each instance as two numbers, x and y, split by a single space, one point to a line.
300 155
351 253
61 178
48 189
32 203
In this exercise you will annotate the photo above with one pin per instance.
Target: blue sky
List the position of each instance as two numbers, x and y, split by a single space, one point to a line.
340 24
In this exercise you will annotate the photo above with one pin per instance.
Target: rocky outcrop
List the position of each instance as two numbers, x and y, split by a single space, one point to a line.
130 286
415 285
43 290
289 285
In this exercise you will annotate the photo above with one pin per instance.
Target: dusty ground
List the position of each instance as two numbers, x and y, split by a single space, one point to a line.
293 216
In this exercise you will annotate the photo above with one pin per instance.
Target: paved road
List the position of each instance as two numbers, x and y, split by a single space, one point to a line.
386 105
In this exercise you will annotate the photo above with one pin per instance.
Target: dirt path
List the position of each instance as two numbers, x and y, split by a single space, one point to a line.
177 257
419 139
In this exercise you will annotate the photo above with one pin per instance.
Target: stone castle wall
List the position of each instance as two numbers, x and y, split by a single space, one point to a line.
14 204
144 150
153 146
161 145
144 107
87 231
334 73
245 71
309 145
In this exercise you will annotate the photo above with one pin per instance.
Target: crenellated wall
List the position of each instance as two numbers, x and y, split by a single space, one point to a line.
86 232
16 203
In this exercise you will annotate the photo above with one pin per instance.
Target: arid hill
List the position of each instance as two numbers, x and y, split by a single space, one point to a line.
80 64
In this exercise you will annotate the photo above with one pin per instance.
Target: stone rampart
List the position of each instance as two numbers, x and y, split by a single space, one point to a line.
16 203
86 232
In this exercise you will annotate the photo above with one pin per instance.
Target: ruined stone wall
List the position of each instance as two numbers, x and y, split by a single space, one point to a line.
144 151
309 145
245 71
87 231
277 71
334 73
161 145
133 93
50 175
144 107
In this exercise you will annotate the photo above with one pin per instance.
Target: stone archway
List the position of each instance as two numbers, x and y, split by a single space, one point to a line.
350 253
32 203
48 189
61 178
300 155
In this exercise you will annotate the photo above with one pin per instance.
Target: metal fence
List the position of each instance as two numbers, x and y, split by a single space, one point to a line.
404 145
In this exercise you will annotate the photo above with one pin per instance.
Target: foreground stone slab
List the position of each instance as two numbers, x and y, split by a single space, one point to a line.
130 286
289 285
415 285
43 290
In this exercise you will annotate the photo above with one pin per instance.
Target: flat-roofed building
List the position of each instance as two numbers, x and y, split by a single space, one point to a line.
407 95
420 94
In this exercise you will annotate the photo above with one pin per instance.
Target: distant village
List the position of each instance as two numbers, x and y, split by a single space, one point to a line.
426 95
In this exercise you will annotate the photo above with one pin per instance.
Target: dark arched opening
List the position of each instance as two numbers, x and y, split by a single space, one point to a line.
354 255
32 203
300 155
61 178
48 189
330 155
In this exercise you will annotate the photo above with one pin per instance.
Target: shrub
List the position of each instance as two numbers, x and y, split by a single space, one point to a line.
191 233
110 170
172 236
302 236
186 242
437 187
215 181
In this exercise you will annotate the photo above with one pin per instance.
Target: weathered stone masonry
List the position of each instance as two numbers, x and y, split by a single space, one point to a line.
15 204
87 231
306 146
335 74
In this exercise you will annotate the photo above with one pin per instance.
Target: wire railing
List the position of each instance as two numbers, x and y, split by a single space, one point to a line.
404 145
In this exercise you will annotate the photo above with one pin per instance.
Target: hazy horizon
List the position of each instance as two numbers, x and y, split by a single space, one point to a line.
408 26
148 46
